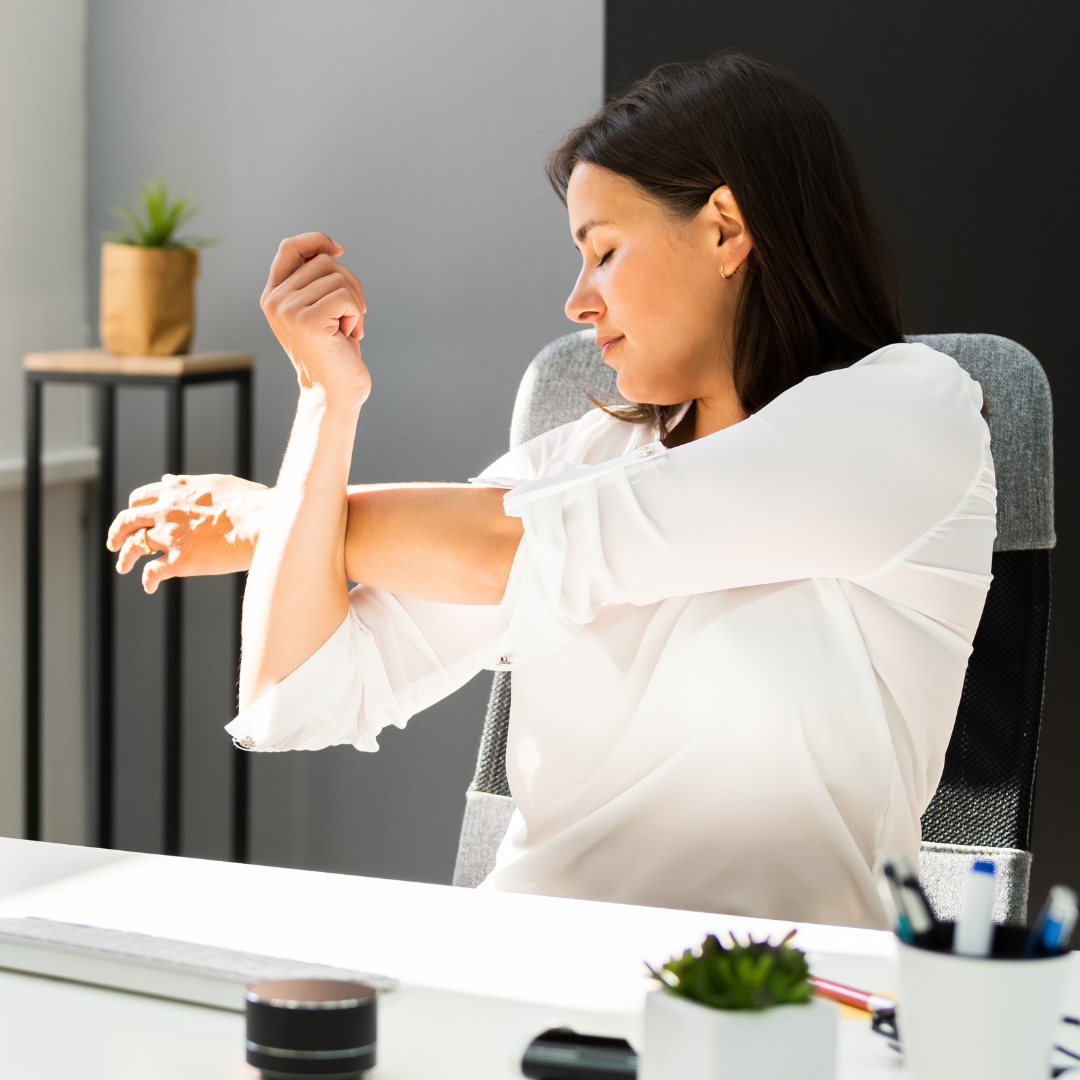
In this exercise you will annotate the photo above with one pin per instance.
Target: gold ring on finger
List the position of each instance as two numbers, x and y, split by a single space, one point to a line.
143 543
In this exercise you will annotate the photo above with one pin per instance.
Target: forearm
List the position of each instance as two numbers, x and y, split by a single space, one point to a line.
450 543
445 542
297 592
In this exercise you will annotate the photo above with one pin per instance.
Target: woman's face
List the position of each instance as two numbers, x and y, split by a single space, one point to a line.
654 288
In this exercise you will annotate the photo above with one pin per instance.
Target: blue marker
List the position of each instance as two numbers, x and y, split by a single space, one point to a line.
1054 926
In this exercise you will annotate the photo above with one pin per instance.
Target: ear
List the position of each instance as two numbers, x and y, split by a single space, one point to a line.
729 233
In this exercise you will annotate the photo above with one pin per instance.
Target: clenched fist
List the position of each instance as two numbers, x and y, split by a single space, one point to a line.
315 307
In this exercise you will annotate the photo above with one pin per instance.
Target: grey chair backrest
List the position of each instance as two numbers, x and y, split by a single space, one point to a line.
983 805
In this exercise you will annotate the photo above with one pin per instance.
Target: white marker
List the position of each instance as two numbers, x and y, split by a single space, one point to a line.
975 927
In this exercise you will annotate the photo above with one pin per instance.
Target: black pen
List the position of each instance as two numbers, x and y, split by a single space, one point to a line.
916 924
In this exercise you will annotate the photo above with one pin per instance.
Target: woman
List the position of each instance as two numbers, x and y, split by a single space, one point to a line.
738 612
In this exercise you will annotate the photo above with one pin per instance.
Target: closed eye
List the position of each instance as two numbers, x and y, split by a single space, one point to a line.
606 257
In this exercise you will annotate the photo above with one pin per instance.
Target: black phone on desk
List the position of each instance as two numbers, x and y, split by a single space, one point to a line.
564 1054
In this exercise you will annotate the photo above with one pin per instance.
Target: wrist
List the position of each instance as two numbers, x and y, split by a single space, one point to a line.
250 516
320 404
319 454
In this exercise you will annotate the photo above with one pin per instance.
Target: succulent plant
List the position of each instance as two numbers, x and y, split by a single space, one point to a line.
754 975
162 218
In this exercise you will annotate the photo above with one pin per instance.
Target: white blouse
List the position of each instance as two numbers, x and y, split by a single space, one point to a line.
736 663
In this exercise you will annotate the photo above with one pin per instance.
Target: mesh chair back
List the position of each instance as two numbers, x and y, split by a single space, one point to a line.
983 805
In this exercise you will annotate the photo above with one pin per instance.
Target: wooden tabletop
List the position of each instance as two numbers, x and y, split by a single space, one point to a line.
100 362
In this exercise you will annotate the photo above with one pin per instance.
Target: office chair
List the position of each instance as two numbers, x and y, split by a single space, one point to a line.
983 804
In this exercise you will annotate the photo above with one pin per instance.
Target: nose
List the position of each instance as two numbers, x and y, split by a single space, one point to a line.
584 304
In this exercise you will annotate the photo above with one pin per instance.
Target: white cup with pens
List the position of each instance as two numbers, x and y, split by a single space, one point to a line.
977 1000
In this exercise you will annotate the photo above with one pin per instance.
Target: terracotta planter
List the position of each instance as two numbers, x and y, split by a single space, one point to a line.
688 1041
147 299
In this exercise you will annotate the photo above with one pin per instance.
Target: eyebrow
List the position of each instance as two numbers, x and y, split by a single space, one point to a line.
583 230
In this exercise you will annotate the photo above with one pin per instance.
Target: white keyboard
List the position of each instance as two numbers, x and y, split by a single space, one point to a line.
150 965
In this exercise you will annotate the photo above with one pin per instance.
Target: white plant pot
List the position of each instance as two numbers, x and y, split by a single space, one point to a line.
688 1041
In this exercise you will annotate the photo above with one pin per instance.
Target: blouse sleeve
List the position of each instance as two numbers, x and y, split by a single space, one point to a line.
838 477
390 658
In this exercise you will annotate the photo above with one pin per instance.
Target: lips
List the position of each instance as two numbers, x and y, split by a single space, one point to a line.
606 342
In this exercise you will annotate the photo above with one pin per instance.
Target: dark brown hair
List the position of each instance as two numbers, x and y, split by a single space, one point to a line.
819 287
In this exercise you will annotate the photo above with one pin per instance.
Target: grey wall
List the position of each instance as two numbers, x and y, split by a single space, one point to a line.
42 307
413 131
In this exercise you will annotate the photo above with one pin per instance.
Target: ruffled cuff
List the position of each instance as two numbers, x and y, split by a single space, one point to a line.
340 694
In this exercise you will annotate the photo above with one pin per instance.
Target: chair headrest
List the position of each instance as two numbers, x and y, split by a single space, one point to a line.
554 391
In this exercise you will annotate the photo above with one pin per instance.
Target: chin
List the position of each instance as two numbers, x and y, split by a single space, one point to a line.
636 394
628 390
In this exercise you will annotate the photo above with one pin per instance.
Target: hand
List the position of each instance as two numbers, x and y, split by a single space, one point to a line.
200 525
315 307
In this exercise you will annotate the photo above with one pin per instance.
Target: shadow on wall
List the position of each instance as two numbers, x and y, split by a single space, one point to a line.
414 135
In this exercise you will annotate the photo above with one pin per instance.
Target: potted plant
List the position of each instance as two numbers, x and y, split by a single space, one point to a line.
736 1013
148 278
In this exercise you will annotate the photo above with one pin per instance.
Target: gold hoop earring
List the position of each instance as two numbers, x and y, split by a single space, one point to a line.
728 277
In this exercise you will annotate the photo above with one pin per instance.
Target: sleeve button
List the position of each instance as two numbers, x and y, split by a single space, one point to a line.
246 743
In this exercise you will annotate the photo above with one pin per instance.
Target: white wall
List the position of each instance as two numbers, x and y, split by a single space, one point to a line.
43 306
414 132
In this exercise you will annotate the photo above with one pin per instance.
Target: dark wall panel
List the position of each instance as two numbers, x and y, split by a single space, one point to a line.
963 117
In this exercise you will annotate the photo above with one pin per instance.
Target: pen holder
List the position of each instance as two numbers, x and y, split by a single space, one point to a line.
988 1017
310 1027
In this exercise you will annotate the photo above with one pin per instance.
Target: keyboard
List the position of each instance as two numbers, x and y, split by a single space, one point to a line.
156 966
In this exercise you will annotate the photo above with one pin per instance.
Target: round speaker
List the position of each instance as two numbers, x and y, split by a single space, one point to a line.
310 1027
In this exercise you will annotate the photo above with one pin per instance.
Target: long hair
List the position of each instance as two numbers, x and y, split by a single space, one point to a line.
819 287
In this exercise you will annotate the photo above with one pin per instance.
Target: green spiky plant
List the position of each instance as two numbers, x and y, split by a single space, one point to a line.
161 221
756 975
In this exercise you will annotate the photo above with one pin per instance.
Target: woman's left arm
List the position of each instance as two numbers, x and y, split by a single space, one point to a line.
442 542
297 591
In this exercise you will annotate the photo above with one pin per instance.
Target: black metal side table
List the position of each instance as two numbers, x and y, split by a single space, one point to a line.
105 373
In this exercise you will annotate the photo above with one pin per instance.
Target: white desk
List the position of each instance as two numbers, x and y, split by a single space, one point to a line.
481 972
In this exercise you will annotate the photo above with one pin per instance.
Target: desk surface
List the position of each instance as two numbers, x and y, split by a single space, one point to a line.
482 972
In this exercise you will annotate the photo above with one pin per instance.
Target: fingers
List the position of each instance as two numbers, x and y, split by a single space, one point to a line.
131 550
327 274
154 573
323 265
330 285
294 251
148 493
325 304
354 283
352 326
126 523
130 553
339 306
